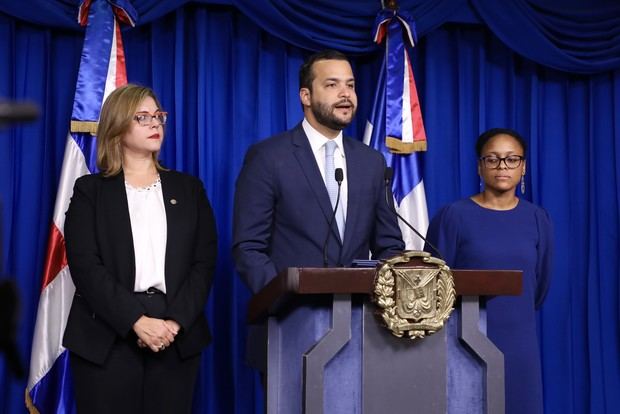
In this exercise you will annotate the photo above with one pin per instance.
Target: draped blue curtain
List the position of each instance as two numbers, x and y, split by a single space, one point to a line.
228 76
578 36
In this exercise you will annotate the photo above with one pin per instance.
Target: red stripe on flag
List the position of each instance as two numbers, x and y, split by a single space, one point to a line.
122 15
83 13
56 258
121 71
419 134
381 33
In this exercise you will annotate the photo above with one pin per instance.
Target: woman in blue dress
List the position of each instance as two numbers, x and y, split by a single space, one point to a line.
495 229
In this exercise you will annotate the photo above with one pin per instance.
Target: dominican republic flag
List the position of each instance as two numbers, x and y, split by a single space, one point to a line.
395 125
102 69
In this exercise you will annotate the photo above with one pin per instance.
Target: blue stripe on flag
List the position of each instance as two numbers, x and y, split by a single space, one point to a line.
395 62
94 63
88 145
54 393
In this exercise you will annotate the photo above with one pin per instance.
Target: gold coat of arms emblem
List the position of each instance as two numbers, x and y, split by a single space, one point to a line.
415 293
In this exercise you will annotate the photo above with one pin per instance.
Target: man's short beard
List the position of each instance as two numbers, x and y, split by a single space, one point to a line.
324 116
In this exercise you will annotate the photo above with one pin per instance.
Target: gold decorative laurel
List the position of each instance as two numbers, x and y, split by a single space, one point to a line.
437 292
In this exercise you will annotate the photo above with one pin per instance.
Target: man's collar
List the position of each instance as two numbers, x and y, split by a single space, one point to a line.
317 140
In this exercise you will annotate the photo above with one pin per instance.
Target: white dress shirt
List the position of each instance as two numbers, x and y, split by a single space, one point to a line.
317 143
149 230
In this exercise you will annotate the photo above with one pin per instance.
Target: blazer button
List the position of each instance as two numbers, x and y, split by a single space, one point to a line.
94 315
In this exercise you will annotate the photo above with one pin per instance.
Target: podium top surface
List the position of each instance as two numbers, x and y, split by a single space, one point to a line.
313 280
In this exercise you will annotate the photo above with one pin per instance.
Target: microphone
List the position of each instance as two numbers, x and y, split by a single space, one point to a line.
338 176
17 112
389 173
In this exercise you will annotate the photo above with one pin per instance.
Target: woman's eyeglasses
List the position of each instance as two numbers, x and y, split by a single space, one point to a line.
146 119
492 162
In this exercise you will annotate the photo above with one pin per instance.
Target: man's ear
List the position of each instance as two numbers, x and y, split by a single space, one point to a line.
304 96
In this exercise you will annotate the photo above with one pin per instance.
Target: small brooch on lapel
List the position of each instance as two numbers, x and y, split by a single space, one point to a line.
173 201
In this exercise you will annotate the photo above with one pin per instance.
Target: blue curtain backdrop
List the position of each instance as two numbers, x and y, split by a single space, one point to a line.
227 73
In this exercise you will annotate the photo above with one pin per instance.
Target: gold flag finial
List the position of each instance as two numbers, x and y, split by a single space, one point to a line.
391 4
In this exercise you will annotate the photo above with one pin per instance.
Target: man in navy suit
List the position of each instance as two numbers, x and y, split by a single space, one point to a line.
282 206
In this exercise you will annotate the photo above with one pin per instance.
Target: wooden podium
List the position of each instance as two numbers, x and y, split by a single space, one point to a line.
323 349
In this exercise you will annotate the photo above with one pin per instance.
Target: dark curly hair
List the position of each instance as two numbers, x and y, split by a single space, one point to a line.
487 135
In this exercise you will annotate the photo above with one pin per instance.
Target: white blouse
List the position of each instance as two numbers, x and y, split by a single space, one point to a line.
149 230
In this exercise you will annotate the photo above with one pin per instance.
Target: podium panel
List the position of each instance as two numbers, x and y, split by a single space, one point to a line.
401 375
326 351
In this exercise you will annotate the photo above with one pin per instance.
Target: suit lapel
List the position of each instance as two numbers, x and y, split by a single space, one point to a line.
117 209
172 198
305 157
354 187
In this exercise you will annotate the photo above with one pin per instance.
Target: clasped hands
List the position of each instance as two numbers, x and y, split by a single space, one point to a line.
155 334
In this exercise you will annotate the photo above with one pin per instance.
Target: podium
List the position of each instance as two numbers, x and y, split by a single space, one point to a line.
322 349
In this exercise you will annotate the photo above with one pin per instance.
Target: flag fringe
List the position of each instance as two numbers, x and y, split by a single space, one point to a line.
29 405
84 126
396 146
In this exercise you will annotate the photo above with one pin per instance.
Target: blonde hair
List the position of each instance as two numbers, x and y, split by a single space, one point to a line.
115 121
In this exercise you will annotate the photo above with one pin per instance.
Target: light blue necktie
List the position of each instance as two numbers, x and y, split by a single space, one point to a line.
332 184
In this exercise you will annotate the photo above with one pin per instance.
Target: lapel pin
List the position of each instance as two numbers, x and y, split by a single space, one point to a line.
173 201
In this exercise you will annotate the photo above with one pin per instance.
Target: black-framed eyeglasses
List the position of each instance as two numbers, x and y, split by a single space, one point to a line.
146 119
511 161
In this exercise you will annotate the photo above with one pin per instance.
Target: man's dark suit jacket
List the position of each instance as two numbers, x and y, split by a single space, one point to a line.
101 260
282 209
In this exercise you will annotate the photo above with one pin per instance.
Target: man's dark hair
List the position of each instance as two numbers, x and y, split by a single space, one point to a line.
487 135
306 74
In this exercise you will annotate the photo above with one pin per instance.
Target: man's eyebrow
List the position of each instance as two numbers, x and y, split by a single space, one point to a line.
338 79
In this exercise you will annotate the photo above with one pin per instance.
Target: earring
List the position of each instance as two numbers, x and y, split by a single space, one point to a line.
522 185
481 185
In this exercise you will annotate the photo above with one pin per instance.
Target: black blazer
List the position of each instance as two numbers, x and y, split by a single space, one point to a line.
102 263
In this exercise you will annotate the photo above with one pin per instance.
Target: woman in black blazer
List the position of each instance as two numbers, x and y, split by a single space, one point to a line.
141 246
